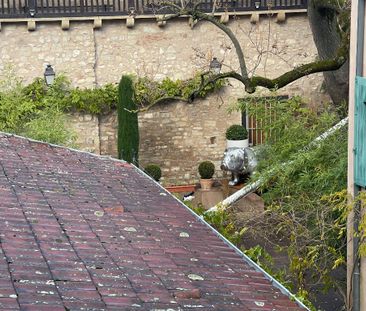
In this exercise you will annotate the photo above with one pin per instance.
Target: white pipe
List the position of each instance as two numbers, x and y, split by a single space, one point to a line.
255 185
329 132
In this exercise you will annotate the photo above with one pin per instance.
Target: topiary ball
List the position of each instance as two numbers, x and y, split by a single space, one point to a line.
236 132
206 169
154 171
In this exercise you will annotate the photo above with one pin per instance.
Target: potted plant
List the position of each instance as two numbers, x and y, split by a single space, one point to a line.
154 171
237 136
206 169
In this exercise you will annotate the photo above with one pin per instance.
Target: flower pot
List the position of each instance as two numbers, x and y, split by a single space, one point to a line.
206 184
237 143
179 189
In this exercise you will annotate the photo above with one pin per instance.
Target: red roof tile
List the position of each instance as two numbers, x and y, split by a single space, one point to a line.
82 232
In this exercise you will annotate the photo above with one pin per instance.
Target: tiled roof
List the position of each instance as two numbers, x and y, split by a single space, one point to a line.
82 232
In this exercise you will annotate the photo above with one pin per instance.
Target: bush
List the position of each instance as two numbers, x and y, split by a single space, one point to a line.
49 126
305 201
206 169
154 171
33 111
236 132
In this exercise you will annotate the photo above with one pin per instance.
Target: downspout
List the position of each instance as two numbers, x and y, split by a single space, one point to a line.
356 300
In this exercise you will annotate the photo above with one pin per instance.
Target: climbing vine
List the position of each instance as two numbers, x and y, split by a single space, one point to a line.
33 110
149 92
102 100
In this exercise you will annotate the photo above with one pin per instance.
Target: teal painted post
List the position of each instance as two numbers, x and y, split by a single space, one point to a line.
360 133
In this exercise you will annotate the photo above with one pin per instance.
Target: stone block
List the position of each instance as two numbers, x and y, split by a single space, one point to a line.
31 25
65 24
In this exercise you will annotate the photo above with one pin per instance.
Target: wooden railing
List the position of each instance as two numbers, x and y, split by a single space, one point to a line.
69 8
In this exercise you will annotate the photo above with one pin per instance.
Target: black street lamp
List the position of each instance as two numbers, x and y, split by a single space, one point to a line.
49 75
215 66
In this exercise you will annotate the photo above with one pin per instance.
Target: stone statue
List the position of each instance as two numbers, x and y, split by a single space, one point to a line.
238 161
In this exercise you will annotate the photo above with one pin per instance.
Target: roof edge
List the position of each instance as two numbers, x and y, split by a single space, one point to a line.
250 262
102 157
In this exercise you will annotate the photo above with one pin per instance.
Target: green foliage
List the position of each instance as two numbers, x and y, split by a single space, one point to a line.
206 169
153 170
236 132
148 91
49 125
223 221
264 259
30 111
358 206
93 101
306 204
128 132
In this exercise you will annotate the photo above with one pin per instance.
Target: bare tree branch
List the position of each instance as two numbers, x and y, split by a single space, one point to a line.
251 83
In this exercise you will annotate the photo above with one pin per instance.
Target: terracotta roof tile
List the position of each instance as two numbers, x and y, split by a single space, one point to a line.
82 232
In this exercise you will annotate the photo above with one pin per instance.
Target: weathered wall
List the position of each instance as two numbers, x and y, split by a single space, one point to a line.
96 56
177 136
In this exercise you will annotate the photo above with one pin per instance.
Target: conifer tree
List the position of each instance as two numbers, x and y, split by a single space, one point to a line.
128 132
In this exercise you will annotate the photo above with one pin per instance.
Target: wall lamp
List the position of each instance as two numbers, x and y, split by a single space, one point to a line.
215 66
49 75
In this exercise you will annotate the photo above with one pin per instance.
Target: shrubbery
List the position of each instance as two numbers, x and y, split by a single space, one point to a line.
236 132
154 171
33 114
206 169
305 200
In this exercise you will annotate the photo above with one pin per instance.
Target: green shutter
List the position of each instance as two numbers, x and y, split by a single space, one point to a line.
360 132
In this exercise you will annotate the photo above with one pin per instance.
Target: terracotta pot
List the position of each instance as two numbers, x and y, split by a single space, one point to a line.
206 184
178 189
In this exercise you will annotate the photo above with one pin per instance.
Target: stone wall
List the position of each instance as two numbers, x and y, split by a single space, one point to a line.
91 57
176 136
179 136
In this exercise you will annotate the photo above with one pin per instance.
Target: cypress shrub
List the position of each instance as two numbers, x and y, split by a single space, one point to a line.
128 131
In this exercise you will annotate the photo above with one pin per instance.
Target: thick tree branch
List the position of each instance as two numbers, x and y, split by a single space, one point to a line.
161 100
196 93
251 83
198 15
234 40
295 74
304 70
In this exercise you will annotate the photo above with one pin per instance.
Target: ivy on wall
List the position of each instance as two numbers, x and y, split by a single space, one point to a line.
34 110
102 100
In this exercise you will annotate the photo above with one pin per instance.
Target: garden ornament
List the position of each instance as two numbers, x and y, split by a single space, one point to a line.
238 161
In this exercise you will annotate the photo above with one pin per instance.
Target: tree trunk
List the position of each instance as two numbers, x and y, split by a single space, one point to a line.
325 28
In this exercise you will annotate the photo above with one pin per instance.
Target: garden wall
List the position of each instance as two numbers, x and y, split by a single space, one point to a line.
177 136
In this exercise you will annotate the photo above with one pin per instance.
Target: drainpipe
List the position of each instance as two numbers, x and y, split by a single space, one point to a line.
356 303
